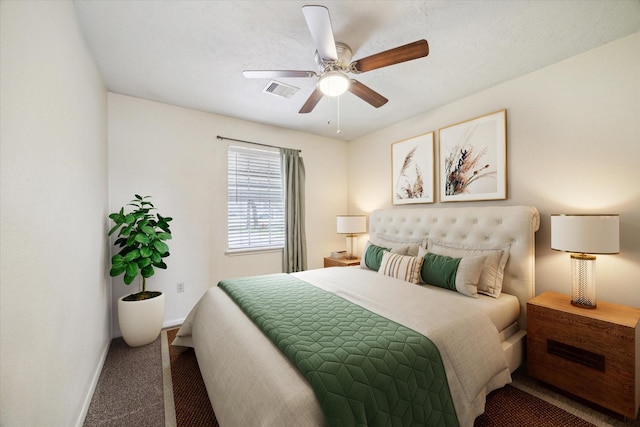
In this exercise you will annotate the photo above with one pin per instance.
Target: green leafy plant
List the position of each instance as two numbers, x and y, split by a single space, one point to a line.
141 237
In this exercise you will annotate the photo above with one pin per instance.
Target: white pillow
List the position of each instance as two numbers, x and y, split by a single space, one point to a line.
496 258
402 267
467 274
393 242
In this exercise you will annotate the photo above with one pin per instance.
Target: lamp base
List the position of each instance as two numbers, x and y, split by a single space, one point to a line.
351 246
583 281
583 304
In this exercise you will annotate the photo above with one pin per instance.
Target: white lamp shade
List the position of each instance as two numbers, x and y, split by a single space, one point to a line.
352 224
587 234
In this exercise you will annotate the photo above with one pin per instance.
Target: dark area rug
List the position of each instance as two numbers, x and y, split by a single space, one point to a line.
189 393
509 406
506 407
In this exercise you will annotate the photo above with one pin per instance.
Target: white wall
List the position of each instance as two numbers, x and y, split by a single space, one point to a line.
55 296
172 154
573 145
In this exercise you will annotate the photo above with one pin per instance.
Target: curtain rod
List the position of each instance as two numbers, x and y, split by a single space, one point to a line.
255 143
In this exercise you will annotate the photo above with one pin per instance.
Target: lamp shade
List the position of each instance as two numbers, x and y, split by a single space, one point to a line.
352 224
588 234
334 83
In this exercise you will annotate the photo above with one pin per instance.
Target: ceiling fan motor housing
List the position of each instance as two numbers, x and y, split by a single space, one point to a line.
345 54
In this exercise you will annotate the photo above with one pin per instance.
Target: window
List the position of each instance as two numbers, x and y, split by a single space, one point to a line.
255 199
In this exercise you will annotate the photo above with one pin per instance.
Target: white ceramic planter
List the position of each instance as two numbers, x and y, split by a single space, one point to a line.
141 321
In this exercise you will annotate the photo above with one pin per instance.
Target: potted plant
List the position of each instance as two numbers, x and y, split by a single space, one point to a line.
141 238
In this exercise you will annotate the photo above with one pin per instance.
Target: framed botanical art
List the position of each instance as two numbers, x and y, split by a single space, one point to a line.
473 159
412 170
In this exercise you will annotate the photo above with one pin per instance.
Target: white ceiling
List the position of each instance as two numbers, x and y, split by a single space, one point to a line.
192 53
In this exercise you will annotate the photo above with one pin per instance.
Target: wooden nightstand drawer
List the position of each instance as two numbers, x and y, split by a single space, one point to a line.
330 262
592 354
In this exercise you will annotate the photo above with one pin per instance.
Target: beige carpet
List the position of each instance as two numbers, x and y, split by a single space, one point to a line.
129 391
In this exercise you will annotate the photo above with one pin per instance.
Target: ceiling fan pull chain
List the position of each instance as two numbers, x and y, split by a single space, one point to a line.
338 111
337 101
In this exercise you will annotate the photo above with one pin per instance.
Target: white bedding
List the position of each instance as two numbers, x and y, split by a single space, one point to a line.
503 311
259 386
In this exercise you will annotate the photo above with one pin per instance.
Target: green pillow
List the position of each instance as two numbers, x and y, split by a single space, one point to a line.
373 256
440 270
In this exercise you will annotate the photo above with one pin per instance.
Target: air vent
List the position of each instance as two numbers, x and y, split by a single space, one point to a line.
280 89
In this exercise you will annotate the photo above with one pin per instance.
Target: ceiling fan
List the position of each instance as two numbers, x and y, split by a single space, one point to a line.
334 62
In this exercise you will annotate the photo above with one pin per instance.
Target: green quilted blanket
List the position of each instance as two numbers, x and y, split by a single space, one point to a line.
364 369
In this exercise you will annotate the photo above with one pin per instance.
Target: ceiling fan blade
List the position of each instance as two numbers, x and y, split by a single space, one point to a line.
311 103
319 24
274 74
367 94
415 50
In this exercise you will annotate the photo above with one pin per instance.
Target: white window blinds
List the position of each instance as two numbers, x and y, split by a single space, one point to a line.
255 199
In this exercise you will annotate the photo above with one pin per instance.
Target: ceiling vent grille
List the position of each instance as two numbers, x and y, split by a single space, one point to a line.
280 89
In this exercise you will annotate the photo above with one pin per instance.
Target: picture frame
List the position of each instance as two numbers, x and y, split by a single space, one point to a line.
412 170
473 159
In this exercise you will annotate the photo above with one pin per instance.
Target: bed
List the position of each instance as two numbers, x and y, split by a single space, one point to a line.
480 335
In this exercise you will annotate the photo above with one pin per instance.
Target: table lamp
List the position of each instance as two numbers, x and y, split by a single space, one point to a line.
351 225
584 236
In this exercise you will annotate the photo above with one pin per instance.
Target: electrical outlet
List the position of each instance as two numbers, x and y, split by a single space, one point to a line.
181 287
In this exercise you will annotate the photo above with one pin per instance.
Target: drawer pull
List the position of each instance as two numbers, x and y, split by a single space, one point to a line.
575 354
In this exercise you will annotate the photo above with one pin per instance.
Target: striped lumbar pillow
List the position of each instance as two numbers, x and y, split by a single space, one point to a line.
402 267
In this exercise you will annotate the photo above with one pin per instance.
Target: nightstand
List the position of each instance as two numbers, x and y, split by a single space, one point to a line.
591 353
330 262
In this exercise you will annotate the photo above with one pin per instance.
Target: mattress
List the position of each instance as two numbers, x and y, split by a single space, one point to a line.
503 311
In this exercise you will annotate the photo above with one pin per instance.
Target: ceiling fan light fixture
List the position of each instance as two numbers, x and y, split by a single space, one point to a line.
334 83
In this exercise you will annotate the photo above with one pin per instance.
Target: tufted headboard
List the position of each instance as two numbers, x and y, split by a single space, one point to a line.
494 224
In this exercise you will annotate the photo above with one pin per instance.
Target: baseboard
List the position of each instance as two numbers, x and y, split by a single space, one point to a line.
94 383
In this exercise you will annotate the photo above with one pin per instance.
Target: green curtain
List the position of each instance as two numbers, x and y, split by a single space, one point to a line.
295 238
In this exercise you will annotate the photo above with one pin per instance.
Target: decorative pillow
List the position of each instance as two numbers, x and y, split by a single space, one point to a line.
496 258
372 255
393 242
402 267
458 274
